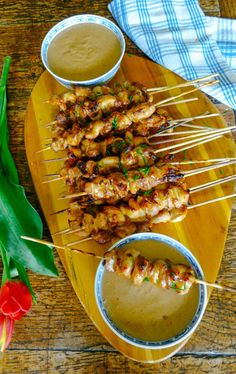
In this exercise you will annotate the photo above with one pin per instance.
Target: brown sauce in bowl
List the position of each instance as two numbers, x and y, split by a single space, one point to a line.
83 52
147 312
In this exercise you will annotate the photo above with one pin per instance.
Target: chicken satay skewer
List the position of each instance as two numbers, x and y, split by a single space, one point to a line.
172 193
158 221
182 276
98 191
195 142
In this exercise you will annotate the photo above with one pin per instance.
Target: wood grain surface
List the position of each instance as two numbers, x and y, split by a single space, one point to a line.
57 336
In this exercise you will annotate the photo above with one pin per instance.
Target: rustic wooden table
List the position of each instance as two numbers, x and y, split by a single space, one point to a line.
57 336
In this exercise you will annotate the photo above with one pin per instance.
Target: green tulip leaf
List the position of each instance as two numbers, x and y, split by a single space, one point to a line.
18 217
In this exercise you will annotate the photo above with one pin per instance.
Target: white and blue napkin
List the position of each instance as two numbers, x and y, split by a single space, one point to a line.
176 34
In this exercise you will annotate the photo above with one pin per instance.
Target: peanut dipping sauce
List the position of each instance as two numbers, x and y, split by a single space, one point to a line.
147 312
83 52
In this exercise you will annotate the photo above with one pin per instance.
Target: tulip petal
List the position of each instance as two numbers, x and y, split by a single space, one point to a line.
6 331
15 299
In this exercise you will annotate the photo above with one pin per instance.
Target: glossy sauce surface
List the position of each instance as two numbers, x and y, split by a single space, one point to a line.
148 312
83 52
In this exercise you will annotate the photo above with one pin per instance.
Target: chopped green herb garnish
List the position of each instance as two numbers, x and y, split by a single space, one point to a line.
119 145
129 139
130 97
173 285
114 123
146 193
136 177
139 152
145 170
146 279
185 154
124 171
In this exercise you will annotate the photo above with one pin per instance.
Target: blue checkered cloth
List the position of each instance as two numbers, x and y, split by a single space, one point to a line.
176 34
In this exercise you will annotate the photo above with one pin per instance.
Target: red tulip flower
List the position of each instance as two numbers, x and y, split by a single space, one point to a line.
15 299
6 331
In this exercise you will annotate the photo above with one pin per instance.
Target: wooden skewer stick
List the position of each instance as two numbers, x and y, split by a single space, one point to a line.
162 132
215 285
49 124
212 201
190 162
187 92
44 242
196 117
79 241
40 241
212 183
190 173
190 125
68 231
177 133
183 149
180 85
53 180
54 159
179 102
195 135
170 147
59 211
43 150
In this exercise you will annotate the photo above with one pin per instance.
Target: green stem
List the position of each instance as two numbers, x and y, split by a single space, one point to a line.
5 262
5 70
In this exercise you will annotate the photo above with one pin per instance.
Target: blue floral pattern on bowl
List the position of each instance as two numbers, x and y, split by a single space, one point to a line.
68 22
201 302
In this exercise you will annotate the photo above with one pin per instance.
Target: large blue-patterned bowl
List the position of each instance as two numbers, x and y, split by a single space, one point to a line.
79 19
202 300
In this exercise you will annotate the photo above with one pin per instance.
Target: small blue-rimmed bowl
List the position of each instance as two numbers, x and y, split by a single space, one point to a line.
200 304
75 20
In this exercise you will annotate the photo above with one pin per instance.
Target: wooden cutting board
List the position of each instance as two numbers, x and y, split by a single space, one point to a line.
203 231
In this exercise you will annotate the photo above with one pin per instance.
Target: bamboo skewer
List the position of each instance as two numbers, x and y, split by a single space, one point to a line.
44 242
189 173
179 102
52 180
184 149
222 132
190 162
176 133
55 159
186 93
195 135
212 183
212 201
181 85
40 241
215 285
196 117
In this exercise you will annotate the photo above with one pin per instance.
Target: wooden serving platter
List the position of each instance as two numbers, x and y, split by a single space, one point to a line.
203 231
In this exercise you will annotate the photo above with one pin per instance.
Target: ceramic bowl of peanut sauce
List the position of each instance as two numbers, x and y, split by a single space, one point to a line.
83 50
147 315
